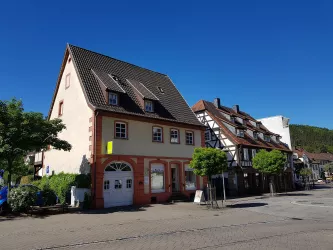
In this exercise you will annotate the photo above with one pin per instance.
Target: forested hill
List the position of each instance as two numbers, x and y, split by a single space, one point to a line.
312 139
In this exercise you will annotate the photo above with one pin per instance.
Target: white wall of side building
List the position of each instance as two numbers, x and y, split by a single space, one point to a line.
76 114
278 125
140 142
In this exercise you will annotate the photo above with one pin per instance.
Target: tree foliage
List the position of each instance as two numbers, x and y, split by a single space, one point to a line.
329 168
305 172
312 139
271 162
209 161
22 132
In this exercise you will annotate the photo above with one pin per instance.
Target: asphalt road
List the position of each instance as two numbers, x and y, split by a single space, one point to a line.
301 220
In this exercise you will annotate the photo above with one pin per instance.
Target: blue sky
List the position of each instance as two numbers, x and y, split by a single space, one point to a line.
270 57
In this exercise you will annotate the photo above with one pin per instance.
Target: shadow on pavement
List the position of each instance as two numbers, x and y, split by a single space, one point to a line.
294 194
124 209
246 205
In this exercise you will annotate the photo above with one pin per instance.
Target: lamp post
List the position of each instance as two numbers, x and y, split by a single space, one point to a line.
224 196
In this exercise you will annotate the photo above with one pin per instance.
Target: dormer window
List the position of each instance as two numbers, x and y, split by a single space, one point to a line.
232 119
113 99
240 133
149 106
277 139
255 135
258 125
267 138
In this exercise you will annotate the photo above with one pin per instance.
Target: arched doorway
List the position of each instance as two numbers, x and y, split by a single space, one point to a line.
118 185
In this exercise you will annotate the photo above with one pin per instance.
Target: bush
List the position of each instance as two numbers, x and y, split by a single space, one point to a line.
27 179
61 185
49 196
21 198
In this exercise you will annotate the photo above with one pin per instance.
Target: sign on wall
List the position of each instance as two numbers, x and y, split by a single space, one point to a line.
109 147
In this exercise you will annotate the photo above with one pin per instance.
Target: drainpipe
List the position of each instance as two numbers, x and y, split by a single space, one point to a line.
95 152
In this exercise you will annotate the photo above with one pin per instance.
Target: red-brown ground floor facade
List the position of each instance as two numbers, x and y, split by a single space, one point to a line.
119 180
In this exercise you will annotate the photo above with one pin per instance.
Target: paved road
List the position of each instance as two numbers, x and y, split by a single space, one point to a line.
294 221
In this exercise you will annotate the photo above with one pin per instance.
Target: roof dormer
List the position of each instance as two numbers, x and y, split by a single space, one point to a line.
146 98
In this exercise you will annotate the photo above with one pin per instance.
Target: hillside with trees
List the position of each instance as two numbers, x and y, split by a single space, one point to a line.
312 139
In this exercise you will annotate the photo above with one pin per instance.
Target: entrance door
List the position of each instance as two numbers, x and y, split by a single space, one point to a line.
175 178
118 185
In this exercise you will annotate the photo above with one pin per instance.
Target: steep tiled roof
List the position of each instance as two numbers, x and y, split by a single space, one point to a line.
170 106
317 157
219 118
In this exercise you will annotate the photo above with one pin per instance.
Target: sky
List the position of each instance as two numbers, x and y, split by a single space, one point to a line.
269 57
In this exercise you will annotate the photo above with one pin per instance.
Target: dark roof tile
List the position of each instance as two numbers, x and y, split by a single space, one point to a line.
170 106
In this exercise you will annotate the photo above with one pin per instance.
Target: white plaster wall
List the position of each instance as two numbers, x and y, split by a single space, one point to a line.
76 114
275 125
139 140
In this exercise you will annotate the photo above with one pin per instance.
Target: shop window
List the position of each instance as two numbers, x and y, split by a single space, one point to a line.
157 178
190 179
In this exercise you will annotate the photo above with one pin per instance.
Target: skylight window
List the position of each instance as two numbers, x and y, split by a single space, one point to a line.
161 90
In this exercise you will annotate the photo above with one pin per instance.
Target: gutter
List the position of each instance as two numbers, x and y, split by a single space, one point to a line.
95 157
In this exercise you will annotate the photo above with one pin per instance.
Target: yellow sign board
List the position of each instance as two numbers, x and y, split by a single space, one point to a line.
109 147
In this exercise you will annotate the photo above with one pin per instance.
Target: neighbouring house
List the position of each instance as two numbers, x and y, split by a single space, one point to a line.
138 115
313 161
241 136
278 125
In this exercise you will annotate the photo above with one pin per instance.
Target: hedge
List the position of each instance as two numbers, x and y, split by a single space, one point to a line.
27 179
61 184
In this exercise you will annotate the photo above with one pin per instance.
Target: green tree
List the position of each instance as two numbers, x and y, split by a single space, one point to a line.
305 173
269 163
329 168
22 132
208 162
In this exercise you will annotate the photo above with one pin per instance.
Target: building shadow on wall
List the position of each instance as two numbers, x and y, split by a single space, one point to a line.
85 165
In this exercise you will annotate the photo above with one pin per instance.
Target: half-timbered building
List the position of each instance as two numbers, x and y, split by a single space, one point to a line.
241 136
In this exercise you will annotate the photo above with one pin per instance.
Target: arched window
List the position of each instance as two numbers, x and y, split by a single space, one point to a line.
118 166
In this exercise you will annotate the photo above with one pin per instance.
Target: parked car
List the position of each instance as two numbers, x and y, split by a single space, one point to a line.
320 181
4 192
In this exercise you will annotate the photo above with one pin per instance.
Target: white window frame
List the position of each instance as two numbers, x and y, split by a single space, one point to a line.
254 152
113 101
157 168
246 154
255 135
187 133
174 134
157 138
240 133
149 106
121 132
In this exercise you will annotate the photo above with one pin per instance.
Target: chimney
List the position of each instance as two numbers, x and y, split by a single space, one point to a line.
236 108
217 102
